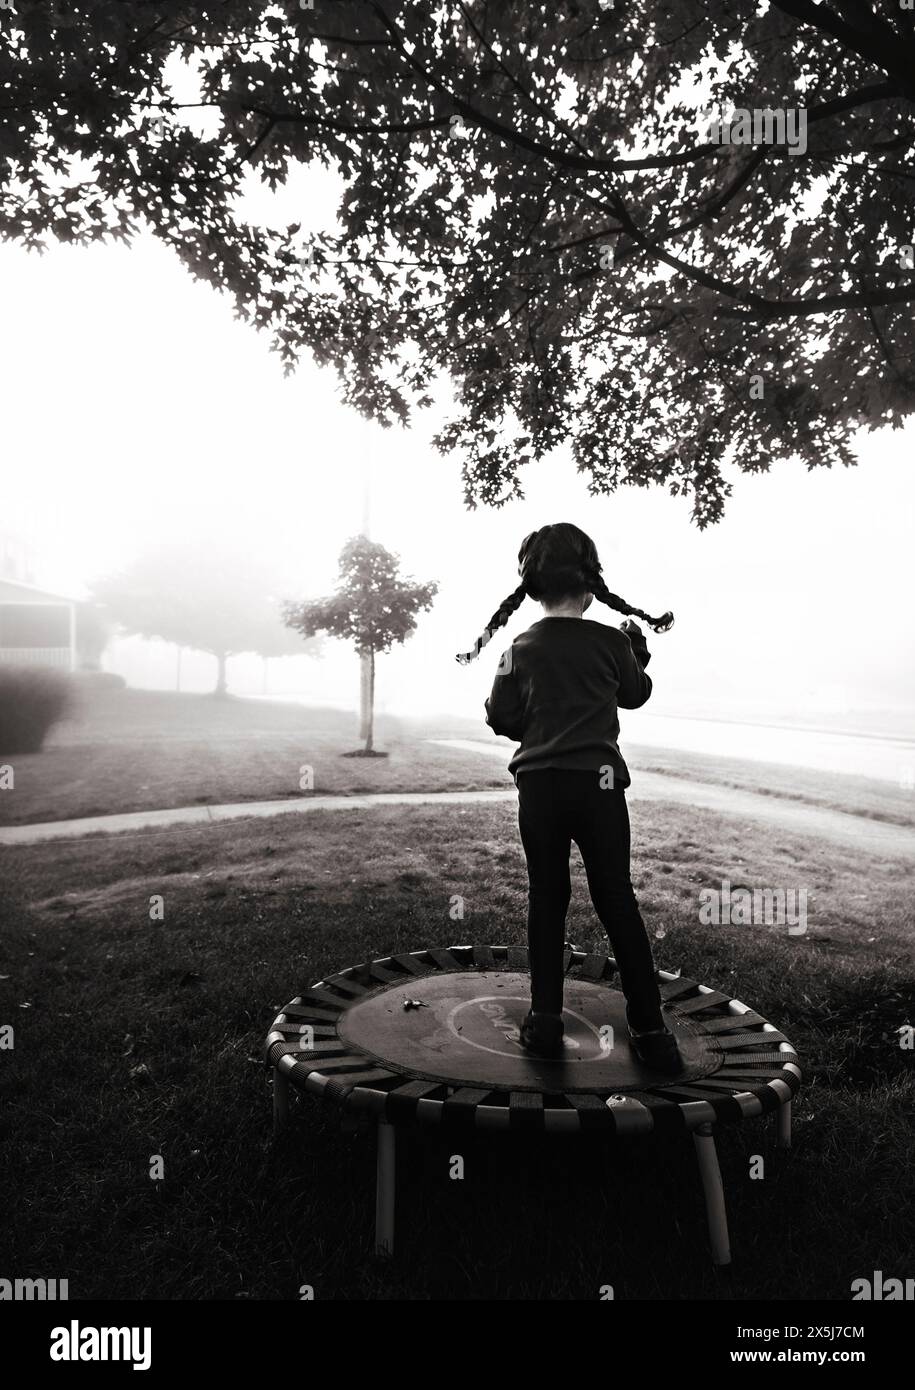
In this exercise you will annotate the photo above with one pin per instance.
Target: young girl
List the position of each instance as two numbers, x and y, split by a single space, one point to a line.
556 693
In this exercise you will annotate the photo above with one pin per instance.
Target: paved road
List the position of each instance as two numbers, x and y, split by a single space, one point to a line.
839 827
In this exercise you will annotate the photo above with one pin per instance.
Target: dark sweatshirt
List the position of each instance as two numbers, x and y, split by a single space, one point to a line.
557 692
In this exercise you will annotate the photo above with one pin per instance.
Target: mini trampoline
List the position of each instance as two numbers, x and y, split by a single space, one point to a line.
431 1038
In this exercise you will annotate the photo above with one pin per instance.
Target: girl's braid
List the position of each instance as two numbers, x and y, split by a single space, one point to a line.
598 587
506 608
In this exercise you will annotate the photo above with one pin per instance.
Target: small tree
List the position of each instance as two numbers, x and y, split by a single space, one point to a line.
373 608
215 600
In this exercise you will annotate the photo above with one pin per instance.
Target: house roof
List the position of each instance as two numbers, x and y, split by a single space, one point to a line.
13 591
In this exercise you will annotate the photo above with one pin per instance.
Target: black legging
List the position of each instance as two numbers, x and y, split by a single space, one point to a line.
555 807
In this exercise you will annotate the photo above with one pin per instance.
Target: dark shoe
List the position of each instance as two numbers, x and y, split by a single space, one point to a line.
656 1048
542 1034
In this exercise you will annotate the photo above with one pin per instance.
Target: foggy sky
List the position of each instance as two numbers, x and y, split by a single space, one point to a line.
136 407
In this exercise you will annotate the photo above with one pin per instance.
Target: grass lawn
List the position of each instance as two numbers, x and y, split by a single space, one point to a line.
255 911
136 750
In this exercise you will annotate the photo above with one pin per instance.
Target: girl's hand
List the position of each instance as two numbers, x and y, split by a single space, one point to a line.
637 641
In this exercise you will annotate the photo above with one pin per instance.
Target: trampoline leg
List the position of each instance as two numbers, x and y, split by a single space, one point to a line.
710 1174
385 1188
280 1100
783 1126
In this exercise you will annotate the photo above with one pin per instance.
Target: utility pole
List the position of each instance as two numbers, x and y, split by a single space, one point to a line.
367 489
366 673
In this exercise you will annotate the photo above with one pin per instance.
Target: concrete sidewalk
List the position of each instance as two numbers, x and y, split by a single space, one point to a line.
797 817
838 827
196 815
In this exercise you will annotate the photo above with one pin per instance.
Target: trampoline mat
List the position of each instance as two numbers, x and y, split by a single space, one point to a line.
452 1055
462 1029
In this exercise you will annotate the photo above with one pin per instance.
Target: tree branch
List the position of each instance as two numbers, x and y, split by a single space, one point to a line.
881 47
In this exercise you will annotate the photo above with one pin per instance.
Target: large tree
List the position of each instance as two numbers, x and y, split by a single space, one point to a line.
373 607
529 205
215 600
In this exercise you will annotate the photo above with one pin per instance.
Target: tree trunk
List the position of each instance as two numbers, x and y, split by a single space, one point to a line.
365 680
221 676
369 730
